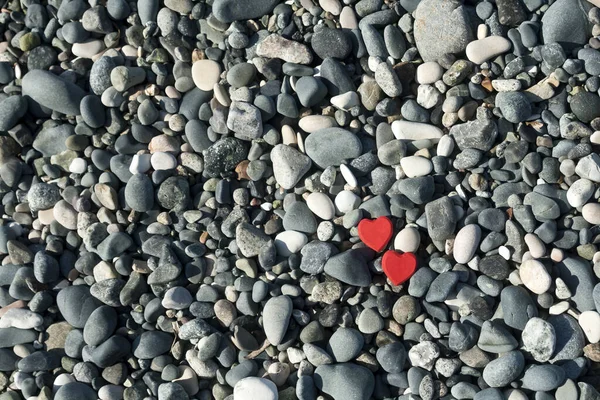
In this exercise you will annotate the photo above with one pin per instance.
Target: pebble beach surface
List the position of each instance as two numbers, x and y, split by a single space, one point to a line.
300 200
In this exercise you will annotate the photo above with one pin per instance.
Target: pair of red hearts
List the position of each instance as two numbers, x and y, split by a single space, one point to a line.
376 233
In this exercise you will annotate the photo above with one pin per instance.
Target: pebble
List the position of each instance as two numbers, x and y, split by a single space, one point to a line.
466 243
435 16
289 165
407 240
535 277
205 74
319 145
51 91
332 380
276 318
252 388
485 49
539 339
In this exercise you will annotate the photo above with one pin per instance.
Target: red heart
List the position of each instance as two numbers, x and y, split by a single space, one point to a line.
375 233
399 267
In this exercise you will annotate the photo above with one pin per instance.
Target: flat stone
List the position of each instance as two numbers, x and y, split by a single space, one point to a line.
333 380
504 370
52 92
331 146
441 220
235 10
206 73
407 130
275 46
565 22
253 388
276 318
440 28
349 267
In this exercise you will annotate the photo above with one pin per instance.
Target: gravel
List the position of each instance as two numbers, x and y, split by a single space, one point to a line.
184 186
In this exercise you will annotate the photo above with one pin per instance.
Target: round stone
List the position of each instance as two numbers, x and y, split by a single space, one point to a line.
206 73
535 277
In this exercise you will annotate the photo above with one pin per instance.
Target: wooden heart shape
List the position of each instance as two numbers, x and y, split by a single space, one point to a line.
399 267
375 233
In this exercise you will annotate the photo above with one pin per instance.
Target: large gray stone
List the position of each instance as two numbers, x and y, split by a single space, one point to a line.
441 27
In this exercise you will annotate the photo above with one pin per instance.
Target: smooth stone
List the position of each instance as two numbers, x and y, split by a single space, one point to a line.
252 388
416 166
589 167
52 92
51 141
569 338
331 146
407 130
407 240
432 17
580 192
100 325
579 278
534 276
543 378
276 318
349 267
441 219
345 344
151 344
11 110
494 338
333 380
290 242
206 73
75 391
429 73
515 106
314 123
466 243
234 10
321 205
504 370
590 324
566 23
298 217
517 307
591 213
10 337
139 193
482 50
76 304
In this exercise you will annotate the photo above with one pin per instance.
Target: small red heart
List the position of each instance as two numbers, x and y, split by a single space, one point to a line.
375 233
399 267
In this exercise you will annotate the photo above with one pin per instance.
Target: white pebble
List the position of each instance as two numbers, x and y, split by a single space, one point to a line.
466 243
78 166
163 161
537 249
140 164
290 242
346 201
321 205
407 240
591 213
590 323
348 175
415 166
535 277
485 49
